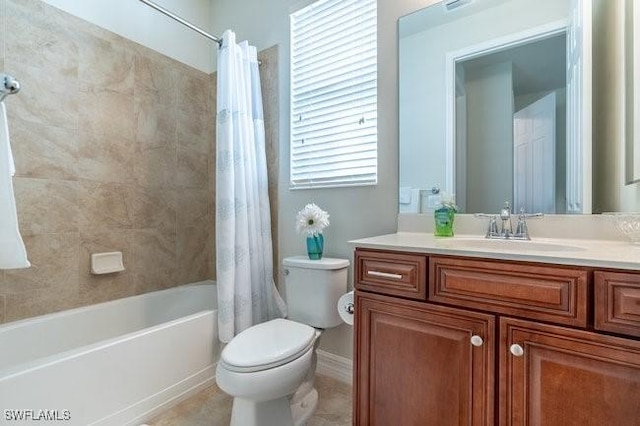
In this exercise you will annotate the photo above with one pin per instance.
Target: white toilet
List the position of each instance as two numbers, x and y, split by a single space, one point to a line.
269 368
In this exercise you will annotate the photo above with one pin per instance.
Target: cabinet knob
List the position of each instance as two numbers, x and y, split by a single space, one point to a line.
476 340
516 350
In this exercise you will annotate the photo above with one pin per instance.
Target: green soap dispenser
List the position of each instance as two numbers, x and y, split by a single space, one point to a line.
444 216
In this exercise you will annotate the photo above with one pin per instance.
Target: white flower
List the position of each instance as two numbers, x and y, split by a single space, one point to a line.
448 200
311 220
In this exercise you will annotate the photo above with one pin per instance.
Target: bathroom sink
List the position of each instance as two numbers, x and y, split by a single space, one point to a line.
506 245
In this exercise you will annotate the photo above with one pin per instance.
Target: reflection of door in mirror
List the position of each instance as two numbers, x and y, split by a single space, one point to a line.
510 115
534 157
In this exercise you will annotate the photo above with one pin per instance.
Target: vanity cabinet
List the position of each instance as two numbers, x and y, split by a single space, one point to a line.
553 375
542 292
617 302
417 364
435 360
396 274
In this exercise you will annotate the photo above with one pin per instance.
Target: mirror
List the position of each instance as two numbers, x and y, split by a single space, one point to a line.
495 106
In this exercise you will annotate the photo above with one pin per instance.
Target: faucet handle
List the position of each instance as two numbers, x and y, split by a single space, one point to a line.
524 215
521 229
493 225
492 229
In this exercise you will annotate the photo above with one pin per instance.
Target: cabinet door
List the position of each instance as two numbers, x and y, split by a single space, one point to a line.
560 377
416 364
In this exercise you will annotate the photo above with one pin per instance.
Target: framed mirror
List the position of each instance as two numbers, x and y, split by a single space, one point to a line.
495 106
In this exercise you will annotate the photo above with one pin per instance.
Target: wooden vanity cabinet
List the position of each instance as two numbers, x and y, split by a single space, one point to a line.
395 274
552 364
552 375
417 366
617 302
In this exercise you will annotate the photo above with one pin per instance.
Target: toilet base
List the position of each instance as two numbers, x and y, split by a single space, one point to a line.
277 412
304 409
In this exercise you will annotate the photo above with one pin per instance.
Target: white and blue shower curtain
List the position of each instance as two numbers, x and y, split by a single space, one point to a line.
247 294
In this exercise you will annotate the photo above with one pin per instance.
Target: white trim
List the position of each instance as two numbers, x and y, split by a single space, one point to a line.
586 106
469 52
335 366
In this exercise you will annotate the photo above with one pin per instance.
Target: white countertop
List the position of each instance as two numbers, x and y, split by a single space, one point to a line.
579 252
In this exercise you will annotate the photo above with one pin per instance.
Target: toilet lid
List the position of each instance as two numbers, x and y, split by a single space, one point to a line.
268 345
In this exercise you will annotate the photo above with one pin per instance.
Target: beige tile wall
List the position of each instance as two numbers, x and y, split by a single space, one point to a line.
112 144
114 150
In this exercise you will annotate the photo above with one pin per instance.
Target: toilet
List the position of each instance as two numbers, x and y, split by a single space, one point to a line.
269 368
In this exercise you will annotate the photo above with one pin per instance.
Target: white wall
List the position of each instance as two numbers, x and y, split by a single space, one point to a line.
423 147
489 137
355 212
144 25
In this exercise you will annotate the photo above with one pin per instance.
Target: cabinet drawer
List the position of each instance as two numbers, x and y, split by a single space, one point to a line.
534 291
392 273
617 302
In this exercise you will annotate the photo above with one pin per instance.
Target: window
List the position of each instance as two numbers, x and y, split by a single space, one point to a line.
334 94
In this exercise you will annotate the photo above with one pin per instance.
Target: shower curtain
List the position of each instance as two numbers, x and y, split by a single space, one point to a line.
247 294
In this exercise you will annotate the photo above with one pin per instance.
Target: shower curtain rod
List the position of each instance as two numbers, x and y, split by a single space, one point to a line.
182 21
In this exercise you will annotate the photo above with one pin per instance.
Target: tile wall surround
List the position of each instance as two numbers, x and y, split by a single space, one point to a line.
114 150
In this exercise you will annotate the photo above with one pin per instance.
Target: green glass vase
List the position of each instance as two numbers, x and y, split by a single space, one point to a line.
315 246
444 217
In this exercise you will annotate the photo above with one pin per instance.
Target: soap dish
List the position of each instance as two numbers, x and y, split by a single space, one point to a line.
106 263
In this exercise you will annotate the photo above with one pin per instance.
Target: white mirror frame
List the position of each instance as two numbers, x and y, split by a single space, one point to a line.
632 77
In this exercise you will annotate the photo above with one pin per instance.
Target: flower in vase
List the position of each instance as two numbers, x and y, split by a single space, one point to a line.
311 220
448 201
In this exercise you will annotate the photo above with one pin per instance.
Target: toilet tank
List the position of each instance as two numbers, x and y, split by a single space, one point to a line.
312 289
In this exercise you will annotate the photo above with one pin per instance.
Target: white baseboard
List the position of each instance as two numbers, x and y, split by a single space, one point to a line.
335 366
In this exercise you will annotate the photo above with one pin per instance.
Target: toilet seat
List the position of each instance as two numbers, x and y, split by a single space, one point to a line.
267 345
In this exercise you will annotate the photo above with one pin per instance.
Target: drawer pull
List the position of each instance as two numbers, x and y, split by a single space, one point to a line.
385 275
516 350
476 340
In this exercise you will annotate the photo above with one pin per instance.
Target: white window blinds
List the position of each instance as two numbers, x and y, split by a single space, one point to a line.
334 94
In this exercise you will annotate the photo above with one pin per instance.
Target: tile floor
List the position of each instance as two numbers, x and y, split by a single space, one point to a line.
212 407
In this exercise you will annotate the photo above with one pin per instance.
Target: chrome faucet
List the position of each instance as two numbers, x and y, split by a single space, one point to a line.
506 229
505 217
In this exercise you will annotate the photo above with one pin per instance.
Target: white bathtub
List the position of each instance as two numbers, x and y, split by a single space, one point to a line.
115 363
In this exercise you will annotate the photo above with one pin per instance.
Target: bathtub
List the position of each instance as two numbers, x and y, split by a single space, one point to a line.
114 363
